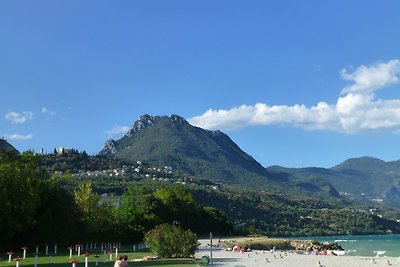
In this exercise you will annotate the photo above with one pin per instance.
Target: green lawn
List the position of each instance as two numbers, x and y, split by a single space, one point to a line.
62 260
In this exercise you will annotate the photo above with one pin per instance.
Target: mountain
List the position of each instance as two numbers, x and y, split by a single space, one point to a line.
365 178
212 155
172 141
7 146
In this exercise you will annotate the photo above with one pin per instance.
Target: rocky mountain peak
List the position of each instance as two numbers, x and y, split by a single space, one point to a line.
144 121
110 148
178 119
147 120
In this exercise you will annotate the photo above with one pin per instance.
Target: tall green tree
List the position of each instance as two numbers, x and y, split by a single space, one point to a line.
20 178
97 218
33 206
136 213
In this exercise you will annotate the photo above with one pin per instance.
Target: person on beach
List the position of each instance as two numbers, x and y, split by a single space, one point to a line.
118 262
124 261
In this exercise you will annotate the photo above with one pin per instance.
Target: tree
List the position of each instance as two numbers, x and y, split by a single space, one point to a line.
136 213
33 207
169 241
19 193
98 219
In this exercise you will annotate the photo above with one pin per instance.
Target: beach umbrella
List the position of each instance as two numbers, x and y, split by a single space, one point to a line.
73 262
97 259
17 260
36 259
24 252
86 255
116 252
70 251
10 253
110 252
79 249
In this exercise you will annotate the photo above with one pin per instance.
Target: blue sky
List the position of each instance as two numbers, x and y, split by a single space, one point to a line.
293 83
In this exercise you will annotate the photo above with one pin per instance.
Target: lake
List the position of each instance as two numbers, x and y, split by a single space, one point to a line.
366 245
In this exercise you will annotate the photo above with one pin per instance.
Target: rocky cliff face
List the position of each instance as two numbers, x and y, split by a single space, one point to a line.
147 120
109 149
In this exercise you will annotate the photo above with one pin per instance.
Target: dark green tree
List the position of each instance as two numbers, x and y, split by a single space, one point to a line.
97 217
136 213
20 179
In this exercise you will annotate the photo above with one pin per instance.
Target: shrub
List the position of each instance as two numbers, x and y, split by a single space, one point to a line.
169 241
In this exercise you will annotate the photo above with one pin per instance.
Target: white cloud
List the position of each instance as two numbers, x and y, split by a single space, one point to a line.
371 78
117 130
356 110
18 118
48 112
19 136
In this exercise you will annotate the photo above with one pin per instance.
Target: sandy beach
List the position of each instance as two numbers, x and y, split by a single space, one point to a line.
289 259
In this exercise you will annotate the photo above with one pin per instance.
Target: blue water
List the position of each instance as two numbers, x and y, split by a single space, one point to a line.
366 245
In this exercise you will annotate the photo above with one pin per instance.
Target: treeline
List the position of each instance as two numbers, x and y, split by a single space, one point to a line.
36 209
251 211
279 215
43 200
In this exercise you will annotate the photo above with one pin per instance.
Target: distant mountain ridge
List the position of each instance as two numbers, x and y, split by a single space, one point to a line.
366 177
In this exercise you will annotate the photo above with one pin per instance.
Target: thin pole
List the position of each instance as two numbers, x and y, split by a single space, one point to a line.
211 246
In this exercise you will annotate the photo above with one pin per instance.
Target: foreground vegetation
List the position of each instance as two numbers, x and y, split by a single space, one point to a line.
74 197
37 209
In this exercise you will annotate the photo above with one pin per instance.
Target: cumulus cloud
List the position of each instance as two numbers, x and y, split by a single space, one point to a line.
117 130
19 136
356 110
18 118
370 78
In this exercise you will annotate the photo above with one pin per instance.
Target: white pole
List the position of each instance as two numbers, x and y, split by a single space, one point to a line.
86 262
211 246
55 249
79 250
24 256
47 250
35 262
116 253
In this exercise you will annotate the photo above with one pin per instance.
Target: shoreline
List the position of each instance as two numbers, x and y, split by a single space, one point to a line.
256 258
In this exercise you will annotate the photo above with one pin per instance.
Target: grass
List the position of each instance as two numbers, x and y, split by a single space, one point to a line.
62 260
